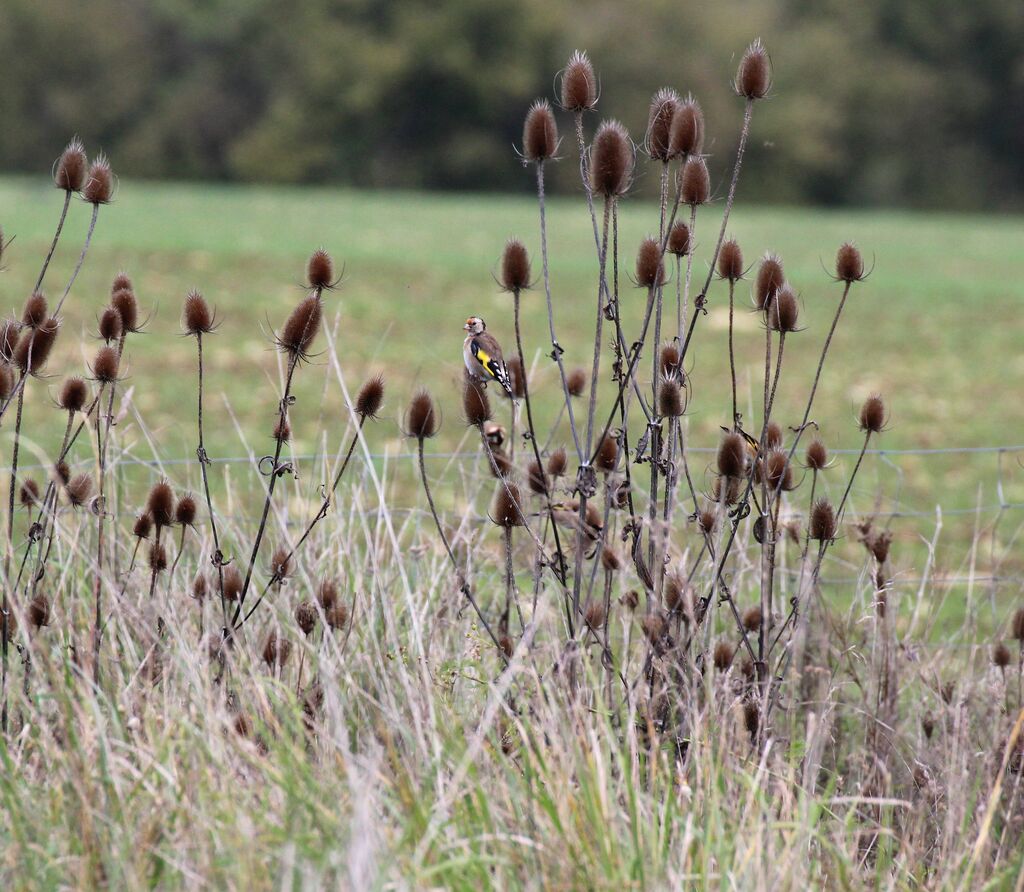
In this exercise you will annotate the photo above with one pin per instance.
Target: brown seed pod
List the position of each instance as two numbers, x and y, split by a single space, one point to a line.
754 77
679 239
707 520
730 261
558 461
773 435
928 726
78 490
475 404
872 415
723 655
7 382
1017 625
233 583
670 361
535 478
157 557
34 347
337 616
659 124
160 504
686 136
650 267
655 627
281 563
770 278
71 167
611 160
110 326
732 455
123 300
36 310
39 611
320 270
630 600
607 454
507 507
516 377
727 488
540 132
670 399
779 471
99 185
199 588
676 599
327 594
370 397
301 328
306 617
185 511
576 382
515 266
61 473
9 331
816 456
143 526
823 521
73 394
849 263
752 618
751 718
610 560
784 311
104 366
695 182
196 316
579 84
28 496
947 692
879 546
1001 656
276 651
421 418
282 430
121 281
594 615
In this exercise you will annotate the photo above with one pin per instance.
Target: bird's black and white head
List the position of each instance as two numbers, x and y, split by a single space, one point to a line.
475 325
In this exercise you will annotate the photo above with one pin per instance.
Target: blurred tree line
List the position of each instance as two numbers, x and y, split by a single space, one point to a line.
913 102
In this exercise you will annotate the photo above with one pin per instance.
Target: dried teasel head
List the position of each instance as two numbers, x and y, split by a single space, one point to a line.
694 182
707 520
730 261
282 429
327 593
301 329
752 618
849 263
630 600
655 627
727 489
670 362
816 456
475 404
784 311
611 160
517 378
337 616
200 589
105 365
594 614
872 415
723 655
576 382
281 563
421 417
650 266
73 394
9 330
1017 625
196 316
515 266
507 506
773 435
34 347
123 300
121 281
770 278
679 239
78 490
320 270
36 310
579 84
160 504
143 526
607 454
99 184
670 398
71 167
233 583
754 77
157 557
370 397
7 383
535 478
558 462
110 325
732 455
779 471
610 560
28 495
39 613
928 726
1001 656
61 474
306 617
276 650
657 140
540 132
686 136
185 511
822 526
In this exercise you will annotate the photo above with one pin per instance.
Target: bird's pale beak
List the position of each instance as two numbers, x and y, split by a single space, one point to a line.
465 327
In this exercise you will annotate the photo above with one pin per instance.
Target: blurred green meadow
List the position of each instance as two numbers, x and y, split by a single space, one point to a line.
937 328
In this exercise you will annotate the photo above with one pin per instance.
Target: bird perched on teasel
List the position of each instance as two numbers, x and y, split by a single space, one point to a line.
483 357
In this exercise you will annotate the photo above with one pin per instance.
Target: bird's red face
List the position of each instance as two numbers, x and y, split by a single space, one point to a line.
474 325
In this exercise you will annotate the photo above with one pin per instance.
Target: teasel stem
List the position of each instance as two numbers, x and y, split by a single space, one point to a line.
81 258
56 238
153 570
732 352
556 348
511 595
849 485
463 582
675 433
8 592
686 281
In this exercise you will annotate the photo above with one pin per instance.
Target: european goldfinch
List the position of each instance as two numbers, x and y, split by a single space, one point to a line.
567 514
482 355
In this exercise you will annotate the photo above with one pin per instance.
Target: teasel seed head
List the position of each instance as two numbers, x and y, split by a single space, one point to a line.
730 261
143 526
676 599
301 329
7 382
816 456
822 526
947 692
849 263
476 405
327 593
879 546
611 160
29 494
36 310
579 84
276 650
773 435
185 511
610 560
754 77
650 267
99 185
723 655
157 557
594 615
752 618
576 382
928 725
9 331
732 455
199 588
686 136
727 487
707 519
872 415
779 471
39 613
535 478
517 377
607 454
123 300
1001 656
71 167
770 278
110 326
105 365
61 474
515 266
320 270
695 182
507 511
160 504
421 418
670 398
34 347
306 617
282 429
281 563
1017 625
233 582
630 600
558 461
73 394
679 239
540 132
196 317
337 616
670 362
657 141
654 626
784 311
79 490
370 397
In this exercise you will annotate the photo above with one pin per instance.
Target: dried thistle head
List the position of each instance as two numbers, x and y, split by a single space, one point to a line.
732 455
849 263
320 270
306 617
160 504
301 329
754 77
143 526
78 490
730 261
123 300
650 267
576 382
872 415
105 365
784 311
515 266
71 167
73 394
670 398
822 526
99 185
657 141
816 456
558 461
694 181
61 474
607 454
36 310
370 397
475 404
726 489
654 627
34 347
770 278
540 132
28 496
611 160
196 317
579 84
421 418
679 239
507 507
185 511
686 136
110 326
